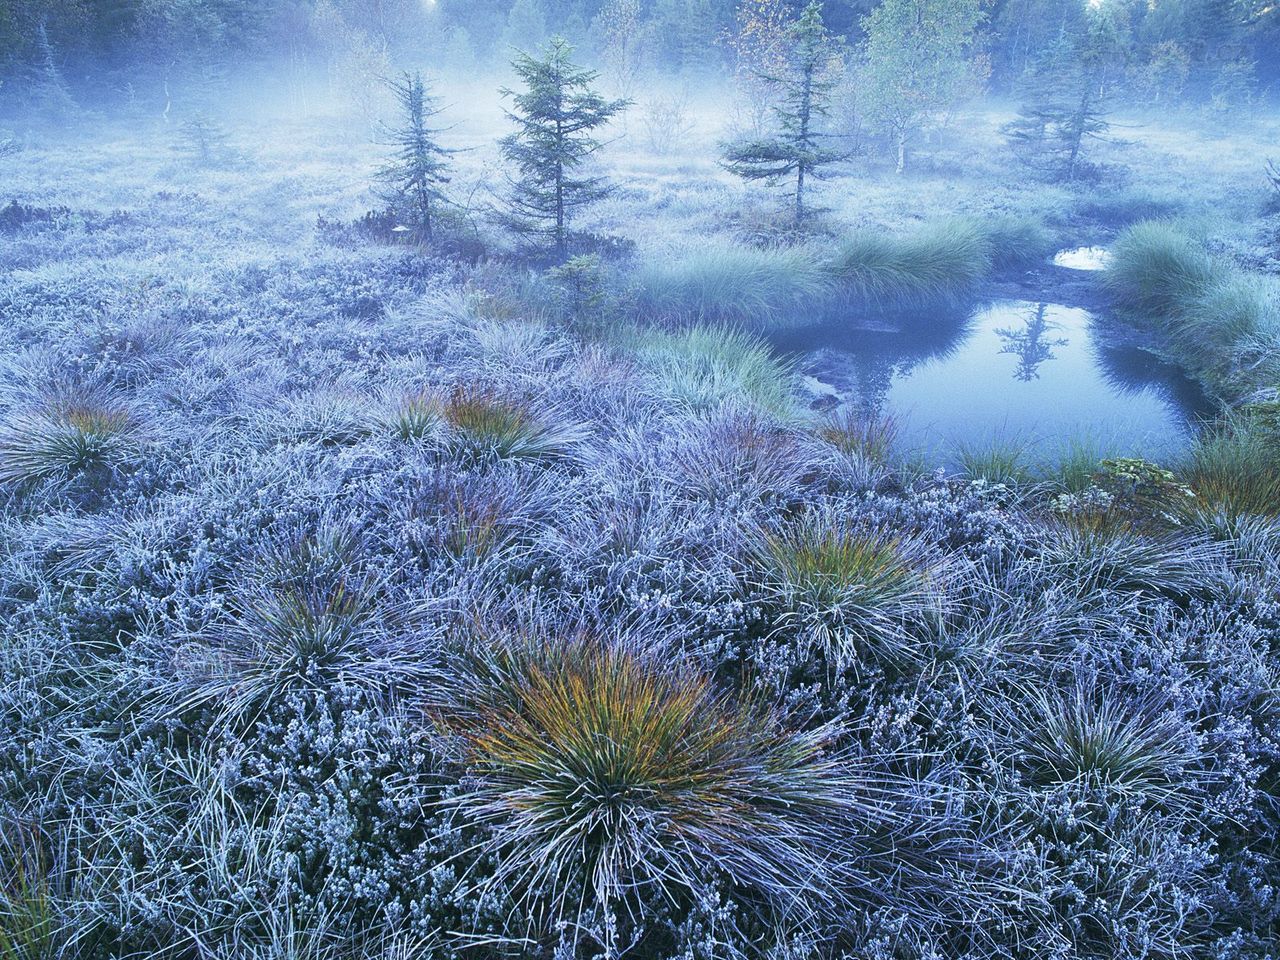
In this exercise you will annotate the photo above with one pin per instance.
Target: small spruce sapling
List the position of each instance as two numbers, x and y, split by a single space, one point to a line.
201 139
804 86
555 115
418 169
580 287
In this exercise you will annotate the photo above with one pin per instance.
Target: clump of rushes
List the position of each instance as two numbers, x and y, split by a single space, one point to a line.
307 619
854 589
71 432
416 416
469 514
703 367
1102 740
600 770
482 423
1234 468
1157 269
1092 554
738 455
297 634
759 289
1222 324
29 924
999 460
941 262
1073 466
856 434
332 415
1016 241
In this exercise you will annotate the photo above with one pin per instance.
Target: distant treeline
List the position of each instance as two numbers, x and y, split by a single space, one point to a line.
1199 48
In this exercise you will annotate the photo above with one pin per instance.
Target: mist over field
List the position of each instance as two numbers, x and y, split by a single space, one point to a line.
664 479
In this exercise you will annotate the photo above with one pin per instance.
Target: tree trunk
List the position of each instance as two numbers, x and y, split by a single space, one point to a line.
560 138
902 149
806 111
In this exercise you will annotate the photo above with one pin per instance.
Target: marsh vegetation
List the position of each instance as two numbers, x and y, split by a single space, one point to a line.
676 480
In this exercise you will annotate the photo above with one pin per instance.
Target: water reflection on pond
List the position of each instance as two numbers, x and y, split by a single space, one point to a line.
1039 373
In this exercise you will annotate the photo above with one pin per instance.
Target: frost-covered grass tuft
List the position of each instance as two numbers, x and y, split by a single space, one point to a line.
71 431
1157 269
1104 740
1089 557
704 367
416 416
483 423
855 434
1234 467
856 588
604 768
1001 459
30 927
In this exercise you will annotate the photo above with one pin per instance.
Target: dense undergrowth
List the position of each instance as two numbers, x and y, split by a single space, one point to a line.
351 614
361 604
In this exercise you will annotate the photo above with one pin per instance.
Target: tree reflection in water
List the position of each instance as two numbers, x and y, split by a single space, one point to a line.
1032 344
943 375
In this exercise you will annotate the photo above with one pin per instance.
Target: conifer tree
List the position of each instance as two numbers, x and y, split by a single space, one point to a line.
49 89
419 167
202 139
805 84
555 115
1064 106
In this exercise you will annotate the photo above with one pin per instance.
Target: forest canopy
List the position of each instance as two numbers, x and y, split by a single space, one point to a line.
1202 48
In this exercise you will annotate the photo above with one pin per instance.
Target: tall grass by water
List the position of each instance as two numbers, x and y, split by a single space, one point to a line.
767 289
1218 321
760 289
704 366
1234 467
940 262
